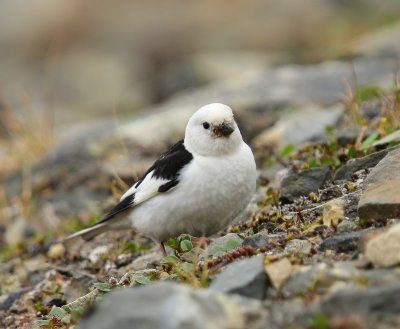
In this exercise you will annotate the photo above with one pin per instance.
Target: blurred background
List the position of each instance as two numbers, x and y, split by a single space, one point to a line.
92 92
66 65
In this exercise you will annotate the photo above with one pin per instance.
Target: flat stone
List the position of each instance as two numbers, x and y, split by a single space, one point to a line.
245 277
8 300
329 193
345 172
345 242
384 249
303 183
56 251
163 305
346 226
387 169
384 300
319 278
261 239
142 262
381 201
297 246
224 244
305 124
303 278
279 271
379 43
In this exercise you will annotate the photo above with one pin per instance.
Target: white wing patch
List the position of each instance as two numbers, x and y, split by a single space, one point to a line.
146 190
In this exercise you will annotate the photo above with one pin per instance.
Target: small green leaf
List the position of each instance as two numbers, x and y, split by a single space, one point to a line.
320 321
330 130
366 93
336 161
169 260
143 280
186 237
66 308
217 250
43 323
270 162
232 244
173 243
352 152
134 247
103 286
287 150
187 267
367 143
186 245
57 312
312 163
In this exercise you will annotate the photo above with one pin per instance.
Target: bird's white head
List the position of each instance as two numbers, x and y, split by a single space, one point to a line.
212 131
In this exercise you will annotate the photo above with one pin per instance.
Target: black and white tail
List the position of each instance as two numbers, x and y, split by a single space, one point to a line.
88 233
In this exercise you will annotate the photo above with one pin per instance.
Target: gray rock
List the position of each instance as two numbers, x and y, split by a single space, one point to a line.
354 165
261 239
163 305
345 242
303 183
387 169
328 279
379 43
384 249
384 300
224 244
289 84
8 300
297 246
379 276
279 271
380 202
306 123
78 286
304 279
346 226
142 262
329 193
245 277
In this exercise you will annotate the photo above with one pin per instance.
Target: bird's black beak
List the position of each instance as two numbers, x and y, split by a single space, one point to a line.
224 129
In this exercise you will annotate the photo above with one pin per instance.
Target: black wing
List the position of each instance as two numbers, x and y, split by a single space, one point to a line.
167 167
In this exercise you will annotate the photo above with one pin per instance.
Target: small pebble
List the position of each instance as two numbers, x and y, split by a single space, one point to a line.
56 251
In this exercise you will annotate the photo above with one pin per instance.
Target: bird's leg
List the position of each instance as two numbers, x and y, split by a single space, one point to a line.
163 249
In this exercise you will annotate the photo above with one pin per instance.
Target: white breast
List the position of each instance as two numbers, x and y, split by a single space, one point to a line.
211 192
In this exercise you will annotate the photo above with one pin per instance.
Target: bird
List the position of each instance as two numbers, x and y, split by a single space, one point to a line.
199 186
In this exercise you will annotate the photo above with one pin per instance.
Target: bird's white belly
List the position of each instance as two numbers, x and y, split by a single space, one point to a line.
208 196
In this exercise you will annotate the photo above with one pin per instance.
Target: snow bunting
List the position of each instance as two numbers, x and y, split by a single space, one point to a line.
197 187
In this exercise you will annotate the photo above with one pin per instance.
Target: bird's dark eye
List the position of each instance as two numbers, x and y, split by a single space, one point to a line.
206 125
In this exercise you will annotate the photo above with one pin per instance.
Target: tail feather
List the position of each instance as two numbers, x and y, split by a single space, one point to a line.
88 233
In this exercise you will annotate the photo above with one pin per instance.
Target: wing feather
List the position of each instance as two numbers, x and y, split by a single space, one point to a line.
161 177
